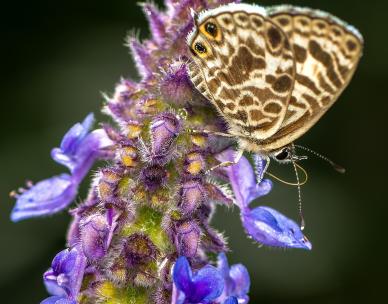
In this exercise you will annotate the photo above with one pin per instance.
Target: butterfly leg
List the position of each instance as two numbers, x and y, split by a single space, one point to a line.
237 157
212 133
261 164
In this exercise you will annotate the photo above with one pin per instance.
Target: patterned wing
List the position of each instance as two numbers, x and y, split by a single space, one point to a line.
244 64
327 52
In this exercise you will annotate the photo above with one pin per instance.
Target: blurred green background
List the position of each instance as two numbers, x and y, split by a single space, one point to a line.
56 59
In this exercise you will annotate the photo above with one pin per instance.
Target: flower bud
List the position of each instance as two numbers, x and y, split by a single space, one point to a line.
139 249
187 238
192 195
153 177
164 129
96 233
175 85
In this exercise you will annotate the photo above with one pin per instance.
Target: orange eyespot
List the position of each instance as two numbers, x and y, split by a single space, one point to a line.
211 31
200 48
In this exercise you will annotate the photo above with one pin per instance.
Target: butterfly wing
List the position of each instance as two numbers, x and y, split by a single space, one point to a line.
327 52
243 64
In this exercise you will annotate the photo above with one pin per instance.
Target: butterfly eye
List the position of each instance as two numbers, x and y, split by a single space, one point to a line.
200 48
283 154
211 29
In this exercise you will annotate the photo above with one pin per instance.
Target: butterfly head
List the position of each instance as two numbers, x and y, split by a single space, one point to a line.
286 155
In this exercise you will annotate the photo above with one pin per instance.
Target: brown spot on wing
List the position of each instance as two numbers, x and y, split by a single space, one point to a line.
351 45
246 101
283 21
274 37
272 107
242 17
256 21
300 53
256 115
231 106
282 84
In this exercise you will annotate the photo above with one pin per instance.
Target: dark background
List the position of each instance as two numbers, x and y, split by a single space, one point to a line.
56 59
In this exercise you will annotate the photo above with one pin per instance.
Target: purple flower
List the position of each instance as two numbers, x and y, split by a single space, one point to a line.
243 180
164 128
267 226
155 19
202 286
237 281
96 233
187 238
79 148
78 151
231 300
142 57
175 84
64 278
46 197
58 300
192 195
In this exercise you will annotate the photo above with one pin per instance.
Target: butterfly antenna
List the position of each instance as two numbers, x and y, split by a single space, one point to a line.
302 221
335 166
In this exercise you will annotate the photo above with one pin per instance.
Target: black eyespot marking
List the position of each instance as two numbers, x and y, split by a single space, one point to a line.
200 48
211 29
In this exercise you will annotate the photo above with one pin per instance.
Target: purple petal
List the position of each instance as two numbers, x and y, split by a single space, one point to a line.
231 300
58 300
208 284
240 276
243 180
202 287
269 227
66 273
182 274
76 134
46 197
237 281
79 148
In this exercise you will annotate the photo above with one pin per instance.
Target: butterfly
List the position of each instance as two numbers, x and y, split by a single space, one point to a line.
271 73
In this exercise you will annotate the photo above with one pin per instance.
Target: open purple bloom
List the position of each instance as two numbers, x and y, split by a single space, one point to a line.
203 286
237 281
265 225
243 180
65 276
269 227
46 197
59 300
231 300
79 150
